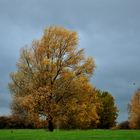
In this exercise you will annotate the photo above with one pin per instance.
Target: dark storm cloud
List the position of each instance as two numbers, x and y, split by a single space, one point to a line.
108 30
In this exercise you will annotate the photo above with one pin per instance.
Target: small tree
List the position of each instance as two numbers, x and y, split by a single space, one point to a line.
51 77
134 110
109 112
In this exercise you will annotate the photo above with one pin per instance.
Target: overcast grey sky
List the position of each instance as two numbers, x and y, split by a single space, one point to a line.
109 30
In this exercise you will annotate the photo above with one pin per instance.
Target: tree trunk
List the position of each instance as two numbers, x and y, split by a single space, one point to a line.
50 125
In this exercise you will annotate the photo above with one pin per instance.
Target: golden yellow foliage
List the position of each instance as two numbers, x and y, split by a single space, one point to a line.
134 111
52 77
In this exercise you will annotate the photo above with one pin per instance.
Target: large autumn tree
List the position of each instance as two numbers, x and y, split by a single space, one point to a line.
134 110
52 79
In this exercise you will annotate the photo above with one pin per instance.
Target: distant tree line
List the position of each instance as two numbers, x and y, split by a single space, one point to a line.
15 122
107 114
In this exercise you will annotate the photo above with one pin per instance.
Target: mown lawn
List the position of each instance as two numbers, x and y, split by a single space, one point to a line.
26 134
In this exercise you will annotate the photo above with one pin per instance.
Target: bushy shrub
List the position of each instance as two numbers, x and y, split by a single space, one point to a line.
15 122
122 125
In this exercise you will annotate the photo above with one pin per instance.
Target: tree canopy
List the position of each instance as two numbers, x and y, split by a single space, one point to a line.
52 84
108 112
52 79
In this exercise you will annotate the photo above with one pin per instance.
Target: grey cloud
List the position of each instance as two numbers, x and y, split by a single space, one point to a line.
4 103
69 13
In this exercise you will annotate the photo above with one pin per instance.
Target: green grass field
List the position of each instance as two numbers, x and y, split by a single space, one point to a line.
26 134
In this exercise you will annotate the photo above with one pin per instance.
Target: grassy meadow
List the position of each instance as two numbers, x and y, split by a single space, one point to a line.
29 134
